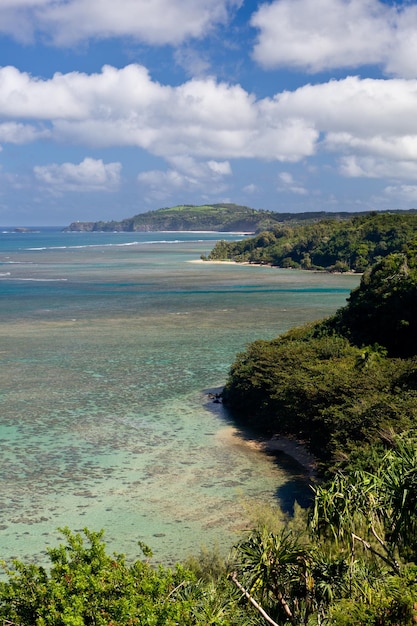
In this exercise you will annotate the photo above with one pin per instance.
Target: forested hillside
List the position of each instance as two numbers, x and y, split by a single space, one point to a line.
343 383
332 244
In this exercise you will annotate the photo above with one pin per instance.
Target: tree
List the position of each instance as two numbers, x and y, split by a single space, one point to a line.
383 309
86 586
372 516
374 509
290 580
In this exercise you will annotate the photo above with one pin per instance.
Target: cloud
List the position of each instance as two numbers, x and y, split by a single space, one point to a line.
401 54
221 168
317 35
213 122
287 183
371 118
401 193
124 107
22 95
186 175
17 18
159 22
195 63
371 167
12 132
89 175
251 188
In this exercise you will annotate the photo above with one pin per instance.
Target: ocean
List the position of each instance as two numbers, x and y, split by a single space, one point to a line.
110 345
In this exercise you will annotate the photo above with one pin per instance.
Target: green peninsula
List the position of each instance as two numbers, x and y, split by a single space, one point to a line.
213 217
225 217
339 242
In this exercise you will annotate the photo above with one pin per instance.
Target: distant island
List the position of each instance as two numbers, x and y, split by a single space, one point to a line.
212 217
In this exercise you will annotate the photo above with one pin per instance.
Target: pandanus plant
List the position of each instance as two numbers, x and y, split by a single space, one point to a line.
375 509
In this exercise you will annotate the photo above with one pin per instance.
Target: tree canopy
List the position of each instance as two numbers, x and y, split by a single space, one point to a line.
341 383
341 245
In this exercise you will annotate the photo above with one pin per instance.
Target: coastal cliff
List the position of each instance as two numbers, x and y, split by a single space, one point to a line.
227 217
214 217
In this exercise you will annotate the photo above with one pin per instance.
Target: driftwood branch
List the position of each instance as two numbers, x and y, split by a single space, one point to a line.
392 563
253 601
377 537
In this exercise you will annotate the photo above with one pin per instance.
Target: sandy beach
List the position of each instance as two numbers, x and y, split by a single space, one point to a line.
287 445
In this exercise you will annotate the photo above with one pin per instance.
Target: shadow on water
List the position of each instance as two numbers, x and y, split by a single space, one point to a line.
297 487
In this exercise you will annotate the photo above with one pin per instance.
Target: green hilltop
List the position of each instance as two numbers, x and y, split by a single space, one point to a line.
215 217
226 217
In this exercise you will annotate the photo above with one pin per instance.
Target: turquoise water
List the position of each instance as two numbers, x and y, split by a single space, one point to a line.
109 345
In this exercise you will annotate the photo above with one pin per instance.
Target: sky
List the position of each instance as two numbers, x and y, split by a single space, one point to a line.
109 109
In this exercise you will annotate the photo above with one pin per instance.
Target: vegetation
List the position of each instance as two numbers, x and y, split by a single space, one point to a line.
87 586
225 217
353 244
216 217
325 384
353 563
347 386
383 309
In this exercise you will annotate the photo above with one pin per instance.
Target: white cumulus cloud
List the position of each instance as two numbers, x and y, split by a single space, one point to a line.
125 107
316 35
89 175
187 175
18 133
371 167
158 22
211 122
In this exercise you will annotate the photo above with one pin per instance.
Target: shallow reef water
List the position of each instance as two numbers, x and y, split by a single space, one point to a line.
110 344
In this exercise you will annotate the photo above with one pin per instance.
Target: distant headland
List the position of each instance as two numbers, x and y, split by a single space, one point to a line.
212 217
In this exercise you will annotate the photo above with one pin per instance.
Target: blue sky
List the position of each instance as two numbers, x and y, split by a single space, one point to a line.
108 109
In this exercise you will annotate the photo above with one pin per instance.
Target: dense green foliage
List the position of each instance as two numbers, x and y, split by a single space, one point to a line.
347 386
86 586
333 244
324 384
380 504
383 309
353 564
322 390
